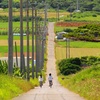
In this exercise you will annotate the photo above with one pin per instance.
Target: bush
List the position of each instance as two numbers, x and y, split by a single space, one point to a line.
4 18
94 15
73 65
75 61
68 30
3 67
92 60
84 60
69 69
69 66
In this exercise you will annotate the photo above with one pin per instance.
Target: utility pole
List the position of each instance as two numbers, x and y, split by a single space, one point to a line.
33 39
10 41
21 36
39 46
27 20
57 11
44 32
45 13
77 6
16 54
68 48
36 40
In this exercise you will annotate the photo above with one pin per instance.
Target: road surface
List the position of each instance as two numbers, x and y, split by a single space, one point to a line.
57 92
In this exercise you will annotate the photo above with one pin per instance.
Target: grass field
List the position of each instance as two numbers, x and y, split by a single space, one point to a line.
80 44
77 49
50 14
76 52
4 44
90 18
85 16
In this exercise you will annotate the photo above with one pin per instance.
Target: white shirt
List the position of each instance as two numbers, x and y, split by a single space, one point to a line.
40 79
50 78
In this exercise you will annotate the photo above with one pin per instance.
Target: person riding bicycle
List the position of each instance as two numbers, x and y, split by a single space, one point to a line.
40 80
50 78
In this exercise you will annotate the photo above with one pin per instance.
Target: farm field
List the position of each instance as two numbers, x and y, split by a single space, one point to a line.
90 18
71 24
76 52
77 49
4 45
80 44
40 13
5 42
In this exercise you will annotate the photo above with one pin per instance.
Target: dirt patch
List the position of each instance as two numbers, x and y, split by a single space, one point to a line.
18 54
5 42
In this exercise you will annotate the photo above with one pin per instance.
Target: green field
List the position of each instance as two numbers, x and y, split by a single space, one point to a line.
5 37
77 49
80 44
15 24
85 16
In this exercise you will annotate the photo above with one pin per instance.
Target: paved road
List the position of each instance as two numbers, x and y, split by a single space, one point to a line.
57 92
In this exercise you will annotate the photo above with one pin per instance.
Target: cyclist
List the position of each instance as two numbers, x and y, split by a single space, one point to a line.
50 79
40 80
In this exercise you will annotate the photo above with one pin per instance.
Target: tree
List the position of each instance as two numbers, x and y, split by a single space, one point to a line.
4 3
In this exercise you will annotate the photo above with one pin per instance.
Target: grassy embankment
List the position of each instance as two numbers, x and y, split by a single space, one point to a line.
86 82
11 87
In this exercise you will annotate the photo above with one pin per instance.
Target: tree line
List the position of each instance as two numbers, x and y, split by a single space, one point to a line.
68 5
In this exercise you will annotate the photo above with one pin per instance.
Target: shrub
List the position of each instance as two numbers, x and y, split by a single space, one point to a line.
92 60
3 67
73 65
84 60
94 15
69 66
69 69
75 61
68 30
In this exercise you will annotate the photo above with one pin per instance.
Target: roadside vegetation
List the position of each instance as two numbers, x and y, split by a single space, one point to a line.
11 87
82 78
86 16
81 72
86 82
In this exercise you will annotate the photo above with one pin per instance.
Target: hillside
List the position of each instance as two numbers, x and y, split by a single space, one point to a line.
86 82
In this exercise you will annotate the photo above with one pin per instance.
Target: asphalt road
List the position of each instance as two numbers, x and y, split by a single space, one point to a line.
57 92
